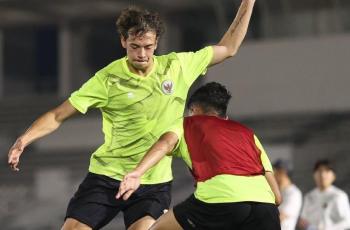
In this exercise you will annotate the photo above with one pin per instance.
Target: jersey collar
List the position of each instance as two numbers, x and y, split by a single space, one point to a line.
134 75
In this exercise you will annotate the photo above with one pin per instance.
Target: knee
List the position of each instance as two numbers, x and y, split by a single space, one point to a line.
72 224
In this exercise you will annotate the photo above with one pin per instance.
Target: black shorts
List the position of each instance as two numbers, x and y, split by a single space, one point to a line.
95 205
195 214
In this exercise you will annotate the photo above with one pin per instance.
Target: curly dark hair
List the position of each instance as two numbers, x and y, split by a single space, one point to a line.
137 21
211 97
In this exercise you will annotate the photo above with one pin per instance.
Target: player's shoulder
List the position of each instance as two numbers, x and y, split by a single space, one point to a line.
113 72
181 57
165 58
175 55
240 127
196 121
294 190
312 194
114 66
200 118
238 124
339 192
166 62
203 119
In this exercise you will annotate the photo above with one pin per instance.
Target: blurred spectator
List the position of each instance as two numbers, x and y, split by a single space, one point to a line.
291 195
326 207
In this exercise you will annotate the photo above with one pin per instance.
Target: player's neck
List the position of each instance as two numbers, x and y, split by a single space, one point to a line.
212 113
141 72
285 184
324 188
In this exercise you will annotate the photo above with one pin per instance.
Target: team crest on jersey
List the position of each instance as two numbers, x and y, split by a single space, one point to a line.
168 87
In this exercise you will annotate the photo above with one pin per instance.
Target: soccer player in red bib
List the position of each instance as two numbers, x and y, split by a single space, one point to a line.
235 187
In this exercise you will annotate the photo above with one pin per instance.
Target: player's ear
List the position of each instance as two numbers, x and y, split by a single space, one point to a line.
334 176
123 41
156 44
191 111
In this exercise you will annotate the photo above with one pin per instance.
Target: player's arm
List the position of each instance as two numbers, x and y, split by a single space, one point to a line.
131 181
270 177
44 125
163 146
342 210
233 38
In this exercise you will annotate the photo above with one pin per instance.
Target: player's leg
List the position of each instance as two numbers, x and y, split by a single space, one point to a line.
144 223
167 222
264 216
196 214
146 205
72 224
93 205
269 216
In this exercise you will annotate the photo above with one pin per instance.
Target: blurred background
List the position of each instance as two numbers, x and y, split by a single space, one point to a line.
290 83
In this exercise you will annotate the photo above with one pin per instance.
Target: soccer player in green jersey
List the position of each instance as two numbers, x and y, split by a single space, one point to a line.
141 97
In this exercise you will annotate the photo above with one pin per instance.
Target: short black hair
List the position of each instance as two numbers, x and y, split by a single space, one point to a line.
211 97
137 21
282 164
323 163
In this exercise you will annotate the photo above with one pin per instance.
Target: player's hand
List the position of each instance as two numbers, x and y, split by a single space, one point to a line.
305 225
278 199
129 185
14 154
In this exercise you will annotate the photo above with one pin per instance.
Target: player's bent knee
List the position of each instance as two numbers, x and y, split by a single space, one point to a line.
166 222
144 223
73 224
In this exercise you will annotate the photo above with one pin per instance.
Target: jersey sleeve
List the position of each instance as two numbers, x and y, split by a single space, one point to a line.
92 94
342 211
263 156
195 64
177 128
182 152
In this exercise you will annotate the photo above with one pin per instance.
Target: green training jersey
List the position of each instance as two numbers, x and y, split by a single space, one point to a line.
137 110
226 188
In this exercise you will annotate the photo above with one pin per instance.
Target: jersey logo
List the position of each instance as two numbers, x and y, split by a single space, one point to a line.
130 95
168 87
